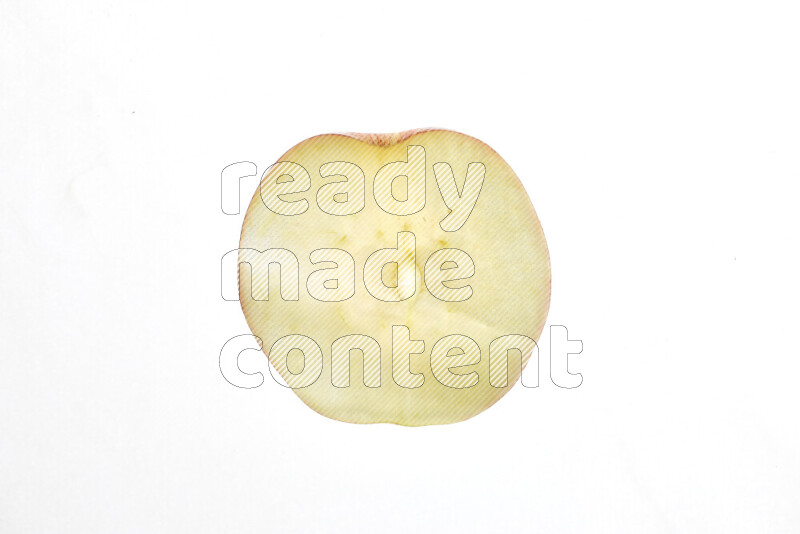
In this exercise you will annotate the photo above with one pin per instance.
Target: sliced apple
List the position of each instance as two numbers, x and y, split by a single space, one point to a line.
420 250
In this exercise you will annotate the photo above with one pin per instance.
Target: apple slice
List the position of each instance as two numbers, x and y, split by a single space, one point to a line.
394 278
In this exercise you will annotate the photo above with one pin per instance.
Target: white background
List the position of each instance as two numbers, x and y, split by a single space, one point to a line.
659 144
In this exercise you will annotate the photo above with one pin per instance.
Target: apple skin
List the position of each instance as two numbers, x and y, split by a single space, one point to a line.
511 284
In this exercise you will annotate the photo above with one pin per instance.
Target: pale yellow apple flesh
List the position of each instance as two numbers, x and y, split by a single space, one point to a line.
510 287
